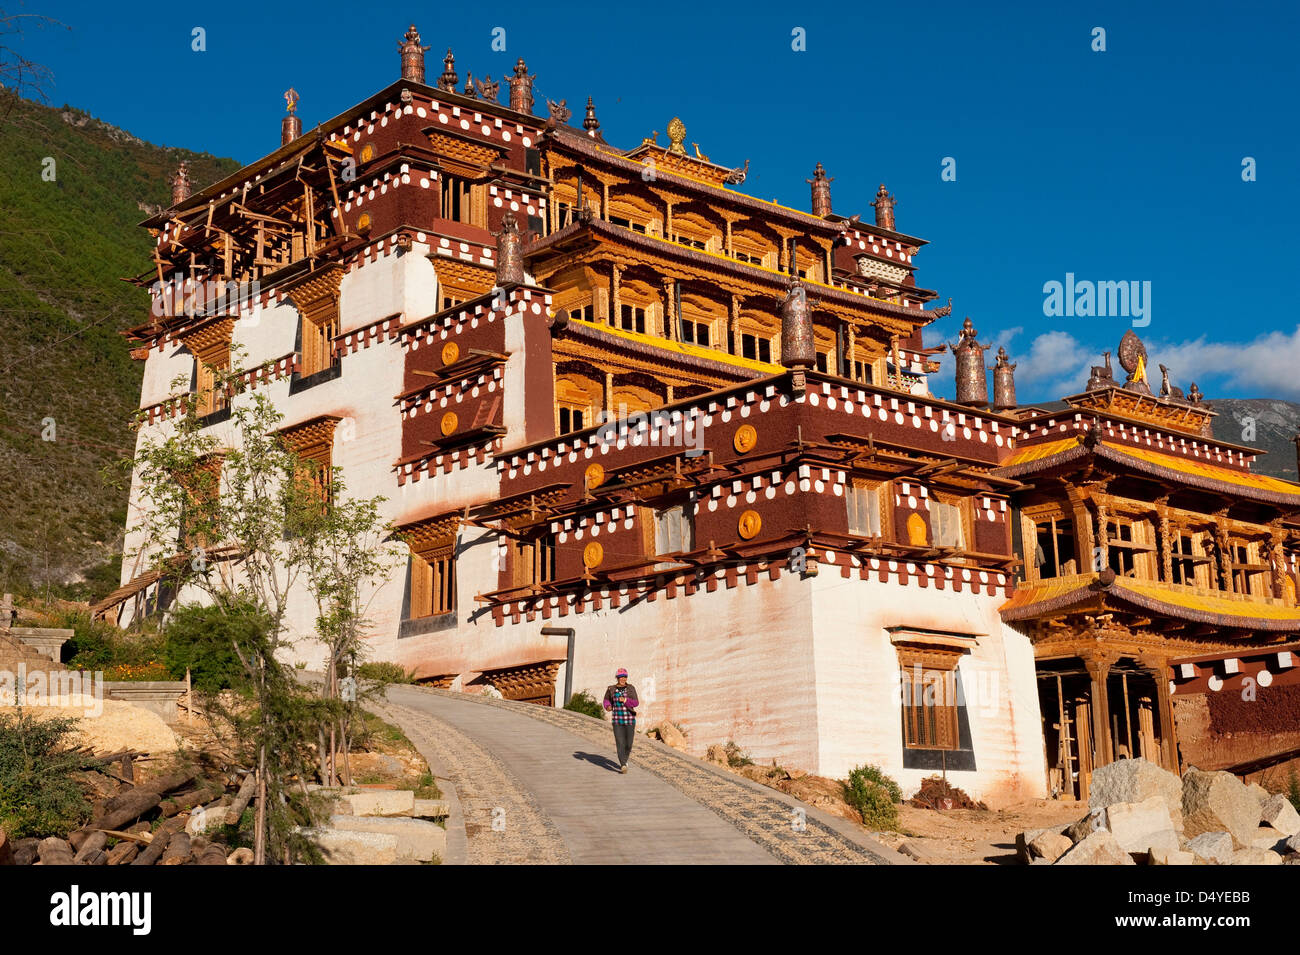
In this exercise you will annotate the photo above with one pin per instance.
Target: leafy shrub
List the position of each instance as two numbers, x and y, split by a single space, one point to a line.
383 672
584 702
1293 789
874 795
202 639
97 645
39 792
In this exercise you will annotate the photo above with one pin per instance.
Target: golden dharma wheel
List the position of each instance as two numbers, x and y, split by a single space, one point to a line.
367 152
749 524
450 352
363 224
449 422
593 554
745 439
595 475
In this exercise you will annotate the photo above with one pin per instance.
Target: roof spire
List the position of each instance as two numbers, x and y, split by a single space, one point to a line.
591 124
521 88
884 209
1004 382
449 79
821 192
291 125
181 184
412 56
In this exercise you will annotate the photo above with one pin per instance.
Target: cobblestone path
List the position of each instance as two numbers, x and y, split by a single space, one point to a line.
547 778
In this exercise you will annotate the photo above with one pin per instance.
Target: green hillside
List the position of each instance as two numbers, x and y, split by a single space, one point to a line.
65 245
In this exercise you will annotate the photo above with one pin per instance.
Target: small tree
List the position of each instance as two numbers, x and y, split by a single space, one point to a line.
240 523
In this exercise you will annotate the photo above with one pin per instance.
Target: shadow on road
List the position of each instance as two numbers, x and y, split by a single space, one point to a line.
603 761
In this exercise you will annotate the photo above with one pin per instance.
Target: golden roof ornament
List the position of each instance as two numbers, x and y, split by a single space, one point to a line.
291 100
676 137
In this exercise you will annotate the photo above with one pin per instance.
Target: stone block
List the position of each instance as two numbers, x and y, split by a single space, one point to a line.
417 839
1278 812
344 847
378 802
1219 802
1163 856
1134 780
1141 826
1254 856
1097 848
431 809
1212 847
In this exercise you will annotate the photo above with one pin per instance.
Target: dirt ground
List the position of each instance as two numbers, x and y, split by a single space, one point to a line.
974 836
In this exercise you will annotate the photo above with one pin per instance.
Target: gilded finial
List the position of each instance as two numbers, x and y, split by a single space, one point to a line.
291 99
676 136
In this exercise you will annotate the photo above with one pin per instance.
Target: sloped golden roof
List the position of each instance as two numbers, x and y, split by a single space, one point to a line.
1235 611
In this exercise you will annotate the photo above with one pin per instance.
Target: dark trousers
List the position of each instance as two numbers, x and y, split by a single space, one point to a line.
624 733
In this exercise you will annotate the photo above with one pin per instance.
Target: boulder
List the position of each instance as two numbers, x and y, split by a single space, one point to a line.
1162 856
6 850
670 734
378 802
1078 831
417 839
1219 802
717 753
1049 845
1253 856
241 856
1142 826
342 847
1134 780
1259 792
1097 848
1270 838
1278 812
26 850
1292 845
1212 847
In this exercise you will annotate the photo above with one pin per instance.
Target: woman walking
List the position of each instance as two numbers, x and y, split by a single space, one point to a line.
621 700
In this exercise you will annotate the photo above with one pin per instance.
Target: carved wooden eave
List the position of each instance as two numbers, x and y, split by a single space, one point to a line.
311 435
1171 413
430 533
316 294
462 155
464 280
208 340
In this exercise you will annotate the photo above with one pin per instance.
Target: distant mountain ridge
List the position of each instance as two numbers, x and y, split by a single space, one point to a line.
1265 423
65 372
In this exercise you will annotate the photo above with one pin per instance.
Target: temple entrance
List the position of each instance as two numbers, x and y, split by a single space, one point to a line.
1096 713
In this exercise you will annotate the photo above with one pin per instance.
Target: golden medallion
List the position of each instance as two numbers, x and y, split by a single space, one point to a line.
450 352
595 475
593 554
745 439
448 423
749 524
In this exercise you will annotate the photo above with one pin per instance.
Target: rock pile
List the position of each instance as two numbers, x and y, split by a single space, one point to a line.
1139 813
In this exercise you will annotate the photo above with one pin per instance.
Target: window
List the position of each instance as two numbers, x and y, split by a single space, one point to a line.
433 585
946 524
1183 565
534 561
756 348
571 419
584 313
1249 575
863 502
674 530
696 333
632 318
691 242
1129 553
823 362
929 706
450 301
1054 547
629 224
209 384
317 337
457 199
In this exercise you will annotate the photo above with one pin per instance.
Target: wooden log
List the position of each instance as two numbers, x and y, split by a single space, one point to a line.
153 852
78 838
141 838
93 842
246 790
178 850
54 851
123 853
25 851
188 800
126 807
98 857
213 854
166 784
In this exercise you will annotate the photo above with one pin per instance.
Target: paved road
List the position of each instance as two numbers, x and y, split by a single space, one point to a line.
537 785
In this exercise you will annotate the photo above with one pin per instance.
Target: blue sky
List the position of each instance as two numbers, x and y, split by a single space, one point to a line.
1122 165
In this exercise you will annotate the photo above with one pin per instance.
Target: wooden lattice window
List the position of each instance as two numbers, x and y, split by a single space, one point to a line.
464 201
1054 547
1130 550
948 521
929 697
534 561
864 502
433 584
674 530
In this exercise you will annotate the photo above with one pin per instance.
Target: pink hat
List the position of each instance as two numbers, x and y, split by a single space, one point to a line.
621 672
